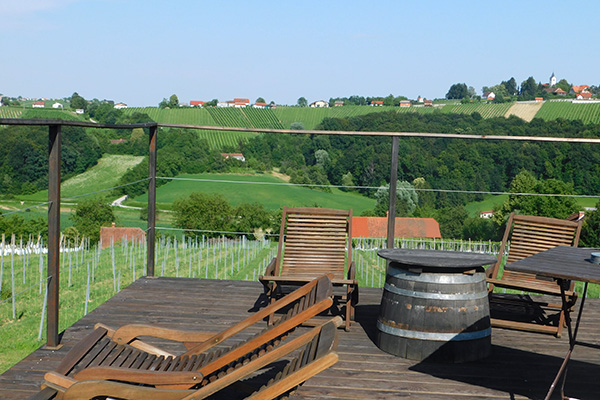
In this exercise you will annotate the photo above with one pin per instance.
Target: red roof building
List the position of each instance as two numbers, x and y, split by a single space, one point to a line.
38 104
404 227
196 103
116 235
377 103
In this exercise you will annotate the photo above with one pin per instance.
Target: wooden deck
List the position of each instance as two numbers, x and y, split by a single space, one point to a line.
522 364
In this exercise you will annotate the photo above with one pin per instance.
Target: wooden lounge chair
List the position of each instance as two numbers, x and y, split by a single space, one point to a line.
119 354
314 352
312 242
526 235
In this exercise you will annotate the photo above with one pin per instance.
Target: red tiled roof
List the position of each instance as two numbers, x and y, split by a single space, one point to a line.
246 101
196 102
404 227
38 103
377 101
260 104
117 234
587 95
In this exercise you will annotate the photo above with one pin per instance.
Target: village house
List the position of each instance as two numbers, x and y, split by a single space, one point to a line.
489 96
404 103
486 214
38 104
376 103
259 105
319 104
116 235
579 89
237 156
338 103
196 103
428 103
57 105
119 106
403 228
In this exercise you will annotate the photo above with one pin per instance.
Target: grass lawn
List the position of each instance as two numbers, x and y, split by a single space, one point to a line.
239 189
104 175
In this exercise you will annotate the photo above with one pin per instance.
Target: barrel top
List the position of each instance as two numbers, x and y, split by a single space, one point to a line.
436 258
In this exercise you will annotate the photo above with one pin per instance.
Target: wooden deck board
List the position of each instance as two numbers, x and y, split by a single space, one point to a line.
521 366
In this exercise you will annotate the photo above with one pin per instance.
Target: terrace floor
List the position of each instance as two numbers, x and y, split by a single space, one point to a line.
522 364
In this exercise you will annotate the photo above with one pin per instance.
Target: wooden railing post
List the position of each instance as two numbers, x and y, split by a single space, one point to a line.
54 151
151 234
391 226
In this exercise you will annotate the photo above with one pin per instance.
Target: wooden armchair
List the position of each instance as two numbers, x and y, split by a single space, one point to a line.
524 236
108 354
312 242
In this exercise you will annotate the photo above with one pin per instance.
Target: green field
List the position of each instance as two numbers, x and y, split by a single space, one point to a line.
587 113
104 175
269 192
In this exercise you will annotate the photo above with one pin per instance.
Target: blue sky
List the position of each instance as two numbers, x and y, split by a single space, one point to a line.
140 52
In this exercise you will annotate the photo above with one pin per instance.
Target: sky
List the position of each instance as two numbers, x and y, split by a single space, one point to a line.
141 51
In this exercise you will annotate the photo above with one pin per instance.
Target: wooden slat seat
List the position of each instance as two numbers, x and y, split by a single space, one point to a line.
110 354
311 352
312 242
526 235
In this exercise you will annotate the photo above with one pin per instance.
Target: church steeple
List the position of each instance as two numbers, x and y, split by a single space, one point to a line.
553 79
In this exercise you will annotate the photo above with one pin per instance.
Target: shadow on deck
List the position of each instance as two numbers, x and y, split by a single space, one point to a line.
522 364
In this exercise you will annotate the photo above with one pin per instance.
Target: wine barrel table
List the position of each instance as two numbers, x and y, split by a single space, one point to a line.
435 306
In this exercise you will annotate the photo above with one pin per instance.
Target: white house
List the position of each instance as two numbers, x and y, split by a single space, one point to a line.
237 156
38 104
489 96
319 103
57 105
486 214
120 105
80 111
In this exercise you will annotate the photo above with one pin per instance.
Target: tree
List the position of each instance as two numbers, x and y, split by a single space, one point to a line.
297 126
260 100
564 85
173 101
201 211
511 86
212 103
252 219
302 102
90 216
406 199
590 231
78 102
458 91
348 181
529 88
452 220
546 206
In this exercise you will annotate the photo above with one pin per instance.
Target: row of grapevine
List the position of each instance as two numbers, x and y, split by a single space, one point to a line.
486 110
262 118
9 112
185 116
588 113
229 116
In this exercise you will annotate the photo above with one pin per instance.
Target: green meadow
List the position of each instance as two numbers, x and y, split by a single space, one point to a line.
268 190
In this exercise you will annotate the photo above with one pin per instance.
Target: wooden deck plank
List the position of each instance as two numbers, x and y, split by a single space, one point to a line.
521 366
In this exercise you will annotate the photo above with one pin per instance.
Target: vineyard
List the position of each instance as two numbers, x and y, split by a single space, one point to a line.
486 110
525 111
587 113
9 112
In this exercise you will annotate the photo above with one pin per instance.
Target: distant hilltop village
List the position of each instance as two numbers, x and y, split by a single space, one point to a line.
509 90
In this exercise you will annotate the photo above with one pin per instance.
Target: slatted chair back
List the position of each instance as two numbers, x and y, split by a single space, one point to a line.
102 356
315 351
314 241
526 235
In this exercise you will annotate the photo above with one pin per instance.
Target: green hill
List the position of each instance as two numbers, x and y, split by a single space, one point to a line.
264 189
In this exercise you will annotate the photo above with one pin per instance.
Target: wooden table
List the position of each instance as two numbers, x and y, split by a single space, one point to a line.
564 264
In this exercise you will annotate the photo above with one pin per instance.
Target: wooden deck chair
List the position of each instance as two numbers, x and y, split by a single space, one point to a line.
312 242
524 236
120 354
312 352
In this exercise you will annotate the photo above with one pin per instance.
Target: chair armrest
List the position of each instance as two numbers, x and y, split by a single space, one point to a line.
128 333
351 271
270 270
529 287
140 376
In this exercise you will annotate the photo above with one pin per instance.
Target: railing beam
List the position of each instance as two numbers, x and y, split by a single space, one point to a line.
54 150
151 234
